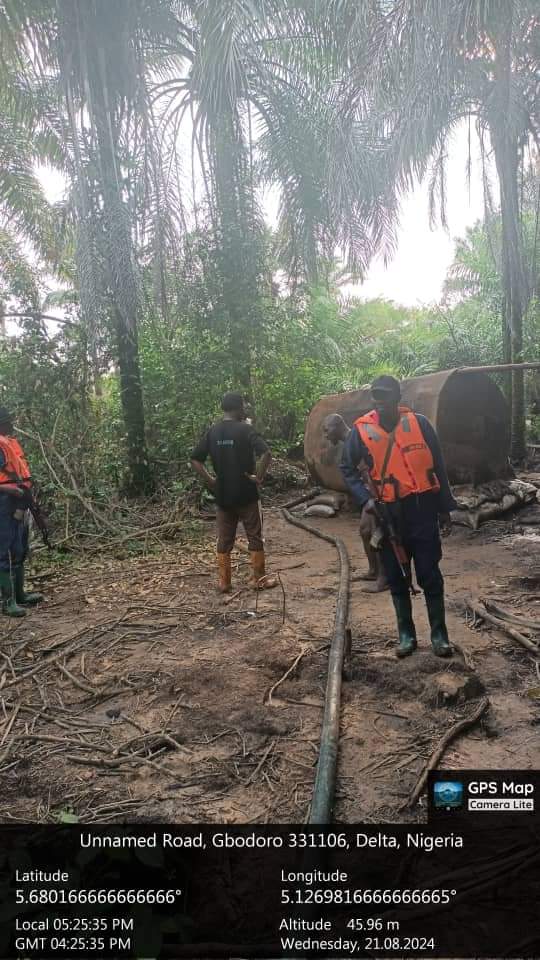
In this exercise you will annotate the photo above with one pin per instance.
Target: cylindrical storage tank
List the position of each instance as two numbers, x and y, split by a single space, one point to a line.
467 409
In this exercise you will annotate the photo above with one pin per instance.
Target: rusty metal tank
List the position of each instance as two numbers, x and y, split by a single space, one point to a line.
467 409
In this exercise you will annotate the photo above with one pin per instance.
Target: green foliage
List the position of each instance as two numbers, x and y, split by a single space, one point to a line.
170 299
44 381
311 342
66 816
18 279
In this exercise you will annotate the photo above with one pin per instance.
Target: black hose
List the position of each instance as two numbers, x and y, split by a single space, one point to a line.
325 781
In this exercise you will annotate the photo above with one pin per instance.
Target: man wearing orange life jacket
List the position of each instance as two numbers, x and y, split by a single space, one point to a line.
405 462
15 483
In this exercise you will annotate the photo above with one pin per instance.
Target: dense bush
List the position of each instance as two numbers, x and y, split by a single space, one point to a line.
309 342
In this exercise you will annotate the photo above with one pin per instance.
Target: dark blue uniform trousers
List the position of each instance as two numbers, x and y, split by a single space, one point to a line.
417 522
13 535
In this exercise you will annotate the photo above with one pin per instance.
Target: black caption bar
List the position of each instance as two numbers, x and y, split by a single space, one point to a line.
216 891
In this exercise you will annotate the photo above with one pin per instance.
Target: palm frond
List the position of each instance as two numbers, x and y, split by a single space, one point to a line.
19 278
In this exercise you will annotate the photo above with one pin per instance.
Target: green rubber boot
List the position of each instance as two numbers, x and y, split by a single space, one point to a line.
26 599
9 604
406 629
437 622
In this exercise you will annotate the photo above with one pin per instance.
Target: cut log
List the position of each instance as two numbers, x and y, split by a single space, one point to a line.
511 617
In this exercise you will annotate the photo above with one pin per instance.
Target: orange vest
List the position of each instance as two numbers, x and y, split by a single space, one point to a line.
15 469
410 466
26 474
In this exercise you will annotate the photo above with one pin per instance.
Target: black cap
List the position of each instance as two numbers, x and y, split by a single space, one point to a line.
231 402
386 384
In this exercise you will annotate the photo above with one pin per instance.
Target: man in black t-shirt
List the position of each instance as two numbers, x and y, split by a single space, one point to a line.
233 447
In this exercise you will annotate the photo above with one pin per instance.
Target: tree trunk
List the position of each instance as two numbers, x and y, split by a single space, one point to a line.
125 296
505 336
505 134
518 445
139 478
91 90
239 246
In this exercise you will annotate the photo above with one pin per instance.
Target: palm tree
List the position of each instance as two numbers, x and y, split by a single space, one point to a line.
96 55
433 63
27 137
257 83
89 57
100 53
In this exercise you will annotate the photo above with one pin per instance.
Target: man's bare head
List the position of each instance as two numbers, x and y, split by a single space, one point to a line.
335 428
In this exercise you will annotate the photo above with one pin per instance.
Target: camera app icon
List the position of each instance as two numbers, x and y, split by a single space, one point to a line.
448 795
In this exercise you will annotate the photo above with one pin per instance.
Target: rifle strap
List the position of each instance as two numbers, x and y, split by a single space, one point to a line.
391 441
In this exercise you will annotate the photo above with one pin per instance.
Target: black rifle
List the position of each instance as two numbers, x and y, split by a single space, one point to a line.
39 518
387 523
30 502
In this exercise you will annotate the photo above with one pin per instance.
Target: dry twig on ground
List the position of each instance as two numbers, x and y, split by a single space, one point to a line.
481 612
454 731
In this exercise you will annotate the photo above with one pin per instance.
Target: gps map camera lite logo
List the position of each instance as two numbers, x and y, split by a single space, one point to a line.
448 795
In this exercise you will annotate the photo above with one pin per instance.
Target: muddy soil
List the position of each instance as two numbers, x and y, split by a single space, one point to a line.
137 693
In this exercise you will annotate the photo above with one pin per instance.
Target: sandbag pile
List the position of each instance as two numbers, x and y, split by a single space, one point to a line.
476 505
490 500
534 480
324 505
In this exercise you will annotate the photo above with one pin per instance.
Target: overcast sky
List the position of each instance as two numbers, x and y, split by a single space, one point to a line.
417 272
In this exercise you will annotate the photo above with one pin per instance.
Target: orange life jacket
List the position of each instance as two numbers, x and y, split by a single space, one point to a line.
409 468
15 469
26 474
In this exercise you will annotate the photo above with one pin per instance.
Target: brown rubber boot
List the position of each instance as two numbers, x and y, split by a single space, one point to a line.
224 567
259 579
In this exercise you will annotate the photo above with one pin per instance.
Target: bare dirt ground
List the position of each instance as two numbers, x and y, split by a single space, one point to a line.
137 693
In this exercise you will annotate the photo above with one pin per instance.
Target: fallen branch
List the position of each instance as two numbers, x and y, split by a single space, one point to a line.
153 740
233 596
46 738
85 687
510 617
45 662
454 731
117 759
58 546
11 721
137 534
501 625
